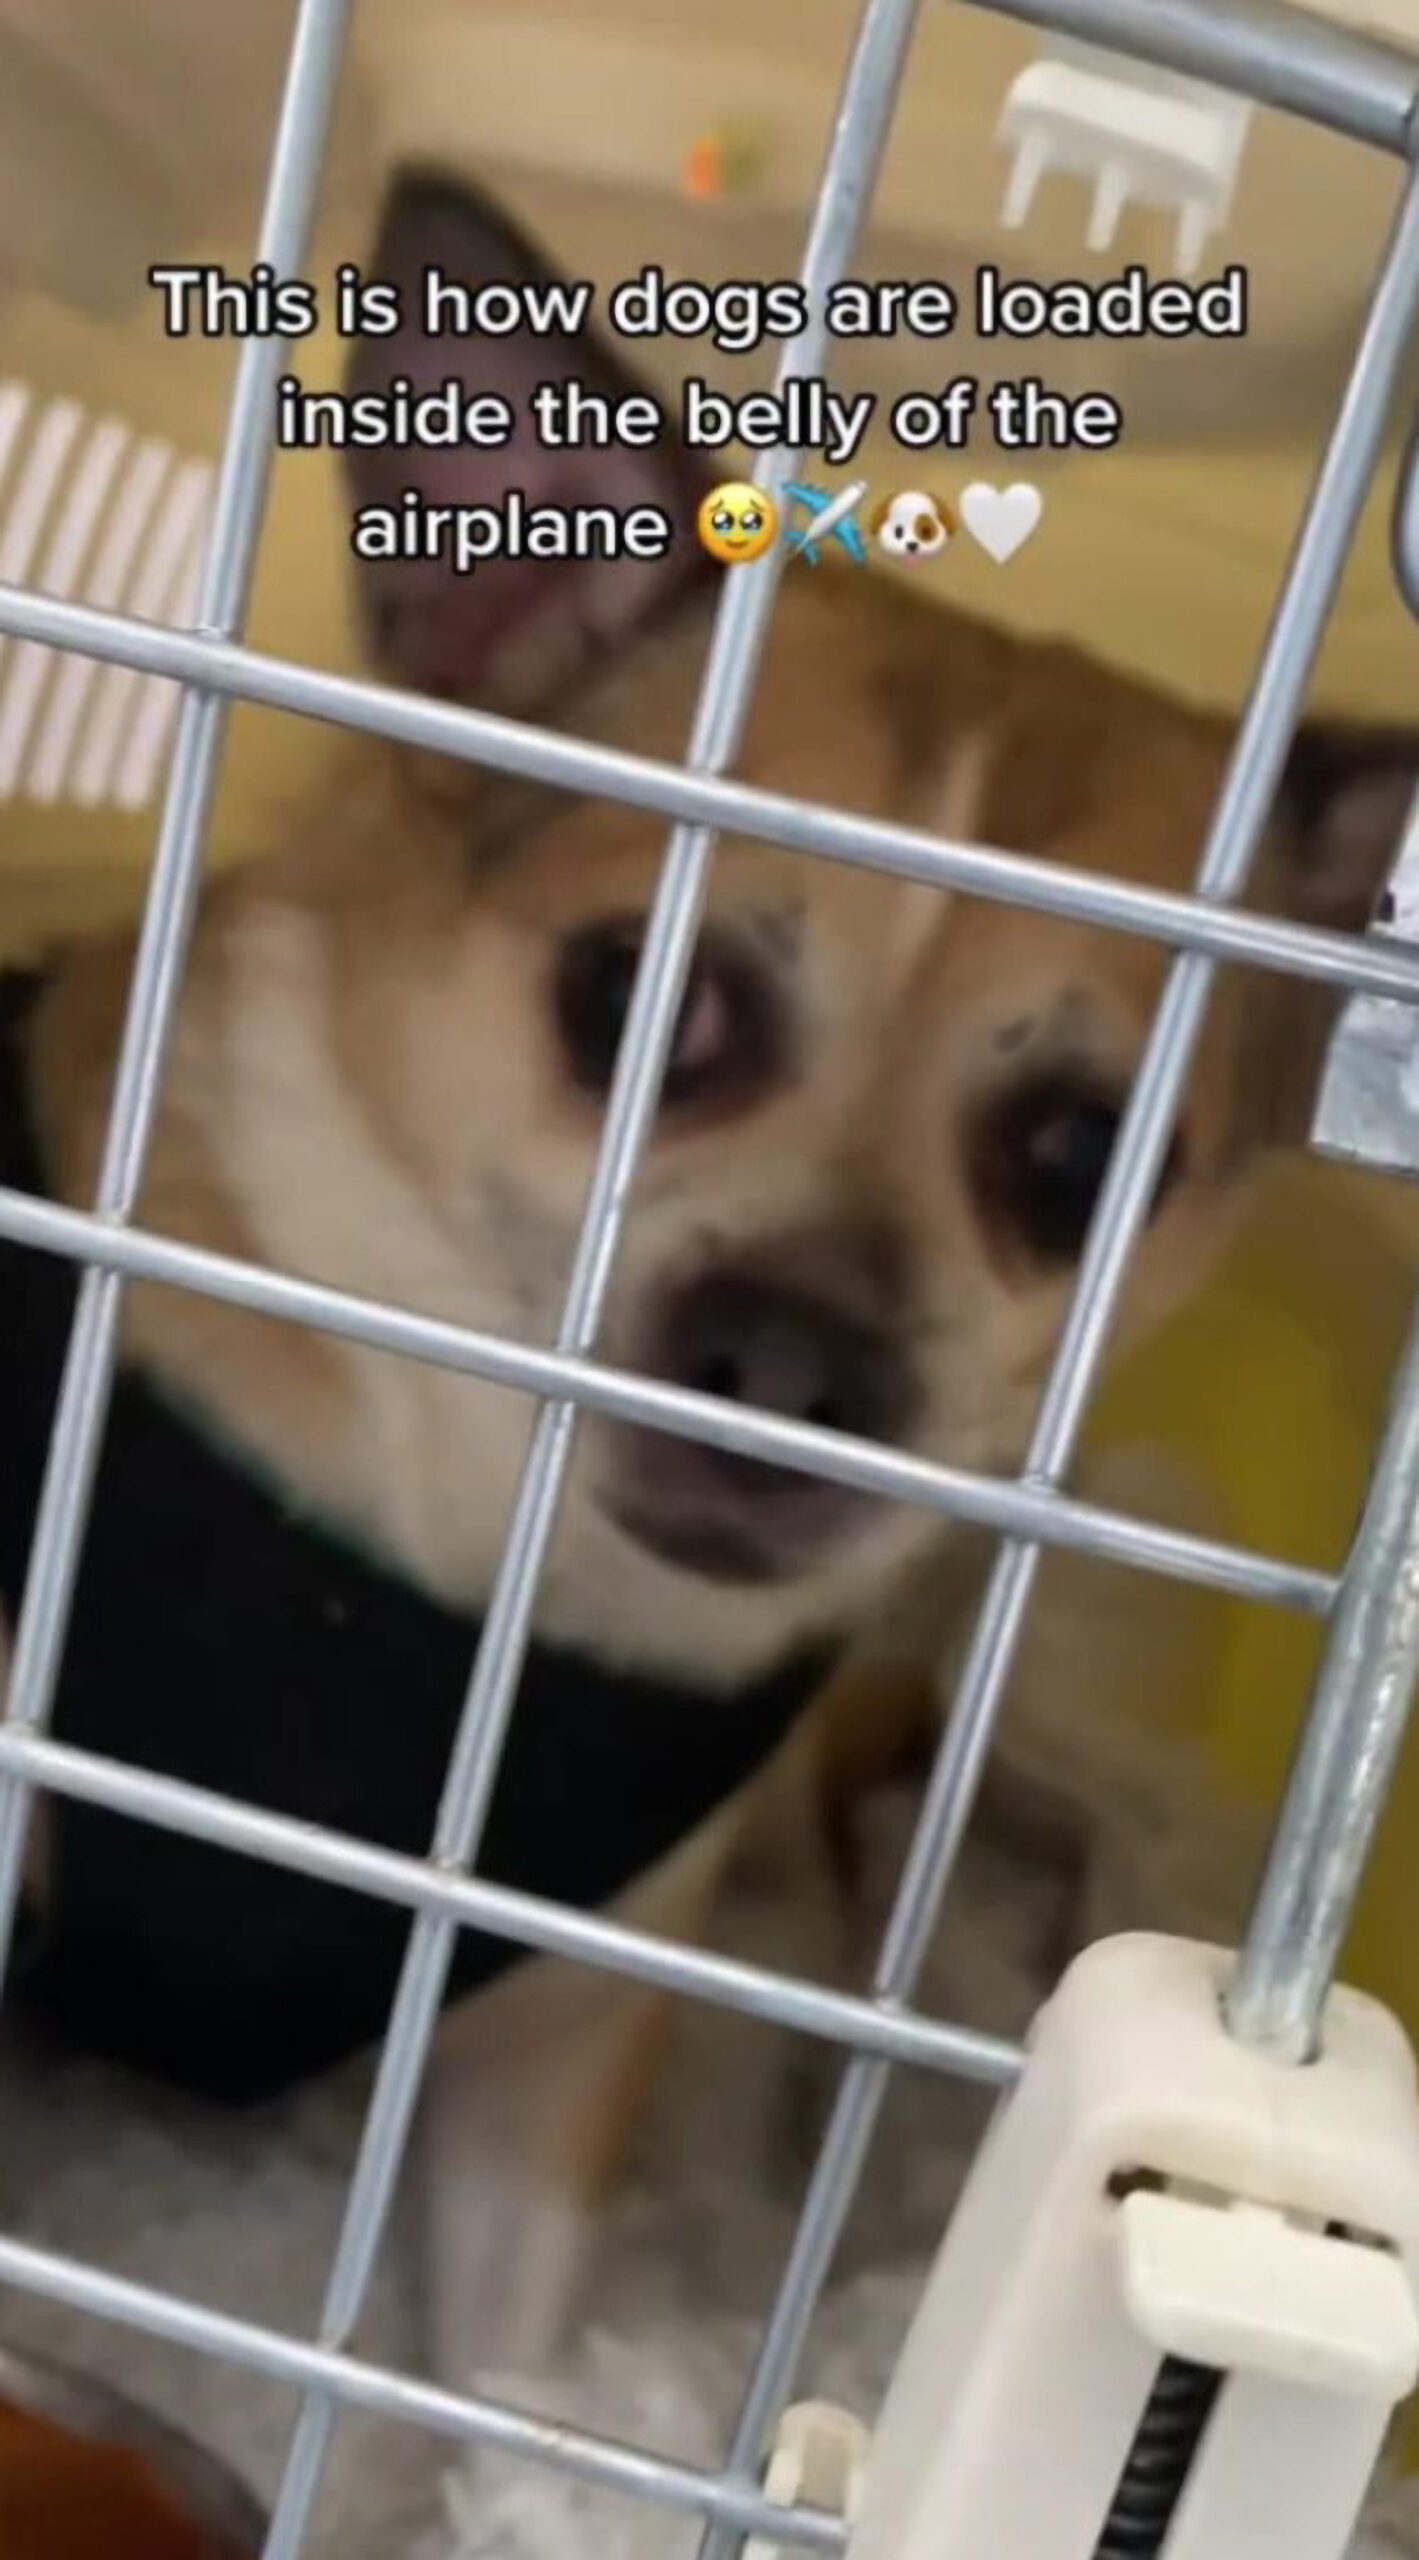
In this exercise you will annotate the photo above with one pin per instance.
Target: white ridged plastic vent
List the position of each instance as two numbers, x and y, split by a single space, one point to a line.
89 510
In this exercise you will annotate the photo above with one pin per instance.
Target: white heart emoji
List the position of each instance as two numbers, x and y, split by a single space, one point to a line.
1001 520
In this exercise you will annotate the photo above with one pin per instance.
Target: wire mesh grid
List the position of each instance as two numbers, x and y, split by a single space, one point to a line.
1364 88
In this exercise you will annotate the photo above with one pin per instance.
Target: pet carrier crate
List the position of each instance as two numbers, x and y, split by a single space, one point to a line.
1177 2307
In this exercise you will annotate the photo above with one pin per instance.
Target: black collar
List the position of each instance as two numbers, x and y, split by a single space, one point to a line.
224 1637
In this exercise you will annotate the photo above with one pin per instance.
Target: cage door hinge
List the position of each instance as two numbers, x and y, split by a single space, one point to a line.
1176 2307
1367 1108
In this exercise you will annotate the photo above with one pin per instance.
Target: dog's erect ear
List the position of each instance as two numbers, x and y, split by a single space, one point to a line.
512 633
1344 802
1340 814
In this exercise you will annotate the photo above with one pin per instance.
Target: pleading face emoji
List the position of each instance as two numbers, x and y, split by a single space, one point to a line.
737 522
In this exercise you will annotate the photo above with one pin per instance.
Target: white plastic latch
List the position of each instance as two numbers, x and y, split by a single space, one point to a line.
1246 2288
819 2460
1148 136
1176 2307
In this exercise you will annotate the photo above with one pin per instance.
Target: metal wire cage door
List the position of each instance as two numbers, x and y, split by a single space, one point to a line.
1276 1997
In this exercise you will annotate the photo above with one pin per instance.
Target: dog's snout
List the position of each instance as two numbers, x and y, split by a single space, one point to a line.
810 1330
758 1341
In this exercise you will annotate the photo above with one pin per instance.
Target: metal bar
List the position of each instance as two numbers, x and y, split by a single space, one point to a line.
1404 524
1273 709
379 2392
1055 1518
82 1407
864 115
1363 1693
546 1927
1349 1743
729 807
1355 83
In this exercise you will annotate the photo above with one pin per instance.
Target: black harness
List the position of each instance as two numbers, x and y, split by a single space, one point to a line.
223 1637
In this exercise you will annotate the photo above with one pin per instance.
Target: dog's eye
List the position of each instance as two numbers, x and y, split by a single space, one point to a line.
727 1038
1038 1160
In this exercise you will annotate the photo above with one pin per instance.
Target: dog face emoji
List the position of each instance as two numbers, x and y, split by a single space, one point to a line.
912 526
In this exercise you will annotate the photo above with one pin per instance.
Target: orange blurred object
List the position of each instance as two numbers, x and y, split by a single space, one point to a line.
722 163
63 2497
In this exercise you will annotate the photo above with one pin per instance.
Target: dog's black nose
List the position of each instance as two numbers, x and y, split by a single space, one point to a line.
810 1331
767 1343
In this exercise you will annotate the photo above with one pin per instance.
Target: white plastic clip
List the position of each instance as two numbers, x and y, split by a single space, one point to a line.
1176 2307
819 2460
1142 134
1367 1108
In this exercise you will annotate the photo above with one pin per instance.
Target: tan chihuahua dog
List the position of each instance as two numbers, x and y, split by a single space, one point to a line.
881 1137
